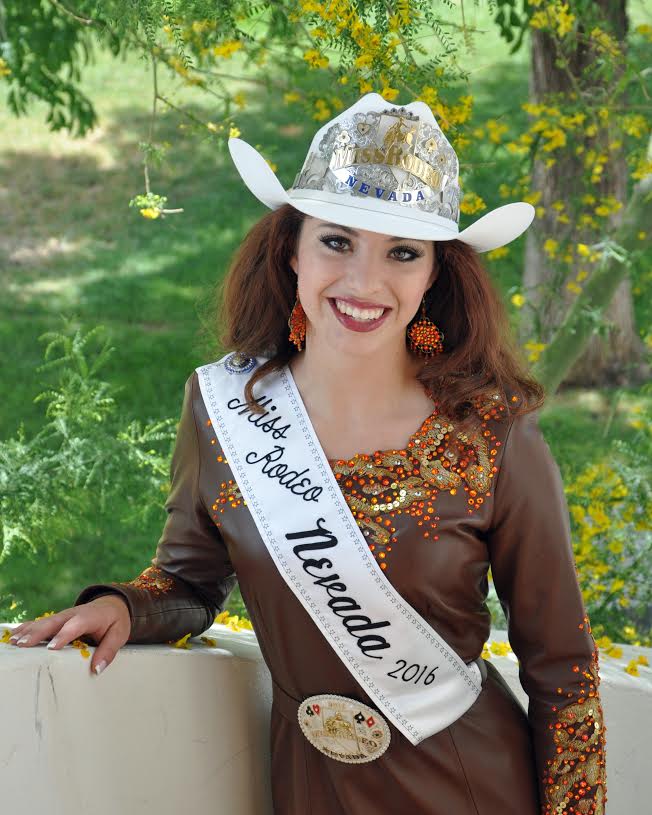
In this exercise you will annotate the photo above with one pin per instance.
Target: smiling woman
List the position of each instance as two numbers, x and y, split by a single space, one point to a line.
363 454
304 266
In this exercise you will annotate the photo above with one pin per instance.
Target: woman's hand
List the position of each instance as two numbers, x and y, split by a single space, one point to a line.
106 619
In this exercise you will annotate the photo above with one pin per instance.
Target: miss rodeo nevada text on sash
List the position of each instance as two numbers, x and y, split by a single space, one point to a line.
364 449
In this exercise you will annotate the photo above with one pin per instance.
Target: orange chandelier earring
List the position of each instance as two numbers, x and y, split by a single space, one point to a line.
297 323
424 338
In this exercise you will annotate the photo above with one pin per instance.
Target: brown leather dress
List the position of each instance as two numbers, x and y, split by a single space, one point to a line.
492 500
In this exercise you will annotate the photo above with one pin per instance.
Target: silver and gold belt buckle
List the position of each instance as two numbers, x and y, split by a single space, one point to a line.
343 728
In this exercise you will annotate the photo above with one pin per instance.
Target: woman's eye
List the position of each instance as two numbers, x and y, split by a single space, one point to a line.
411 254
329 239
407 252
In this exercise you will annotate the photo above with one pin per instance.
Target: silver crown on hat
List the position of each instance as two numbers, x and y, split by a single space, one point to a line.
390 155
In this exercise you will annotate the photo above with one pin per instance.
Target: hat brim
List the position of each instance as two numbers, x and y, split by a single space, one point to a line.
496 228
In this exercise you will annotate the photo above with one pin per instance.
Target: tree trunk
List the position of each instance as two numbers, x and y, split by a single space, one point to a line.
615 357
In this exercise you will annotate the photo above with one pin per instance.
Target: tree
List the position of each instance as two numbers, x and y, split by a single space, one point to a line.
571 66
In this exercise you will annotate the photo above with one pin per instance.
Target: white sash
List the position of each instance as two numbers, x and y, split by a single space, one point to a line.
410 672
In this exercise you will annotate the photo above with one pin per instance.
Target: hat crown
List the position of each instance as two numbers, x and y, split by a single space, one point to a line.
395 155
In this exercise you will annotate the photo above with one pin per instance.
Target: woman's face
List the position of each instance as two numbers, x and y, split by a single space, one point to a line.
363 272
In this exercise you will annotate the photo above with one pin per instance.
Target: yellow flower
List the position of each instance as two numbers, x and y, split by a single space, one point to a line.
605 41
532 197
182 643
291 96
240 99
274 168
4 68
518 300
363 60
504 191
500 648
535 349
322 111
550 247
632 668
642 660
645 30
389 93
429 95
209 641
233 132
572 286
150 212
213 127
641 235
315 59
556 138
499 252
583 250
365 86
227 49
471 203
496 130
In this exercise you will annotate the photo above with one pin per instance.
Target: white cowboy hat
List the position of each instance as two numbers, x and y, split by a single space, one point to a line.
385 169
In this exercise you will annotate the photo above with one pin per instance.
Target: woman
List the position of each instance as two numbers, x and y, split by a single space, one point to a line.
395 333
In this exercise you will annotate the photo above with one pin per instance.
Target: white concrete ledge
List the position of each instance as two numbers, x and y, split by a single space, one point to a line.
167 730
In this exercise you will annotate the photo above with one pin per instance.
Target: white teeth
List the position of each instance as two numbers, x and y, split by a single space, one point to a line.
359 313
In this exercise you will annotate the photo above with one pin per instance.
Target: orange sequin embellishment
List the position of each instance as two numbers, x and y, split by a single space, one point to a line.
379 486
575 779
152 579
387 483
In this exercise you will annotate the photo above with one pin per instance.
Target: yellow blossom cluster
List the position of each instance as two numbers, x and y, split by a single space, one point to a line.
534 349
499 252
603 41
315 59
234 622
604 515
635 125
323 108
645 30
643 168
227 49
495 130
4 68
471 203
555 16
499 649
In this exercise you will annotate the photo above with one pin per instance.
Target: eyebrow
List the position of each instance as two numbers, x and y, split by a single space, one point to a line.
353 232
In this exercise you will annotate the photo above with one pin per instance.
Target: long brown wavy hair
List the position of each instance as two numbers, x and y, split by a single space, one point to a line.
250 307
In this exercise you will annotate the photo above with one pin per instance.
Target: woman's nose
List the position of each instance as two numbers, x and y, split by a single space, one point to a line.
364 272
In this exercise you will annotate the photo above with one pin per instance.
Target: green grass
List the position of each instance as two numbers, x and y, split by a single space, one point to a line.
70 245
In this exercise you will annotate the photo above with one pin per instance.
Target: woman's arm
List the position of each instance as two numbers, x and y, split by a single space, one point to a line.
190 576
534 572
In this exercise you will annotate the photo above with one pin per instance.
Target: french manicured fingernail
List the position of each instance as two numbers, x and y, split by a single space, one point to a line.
22 640
53 643
100 666
12 639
